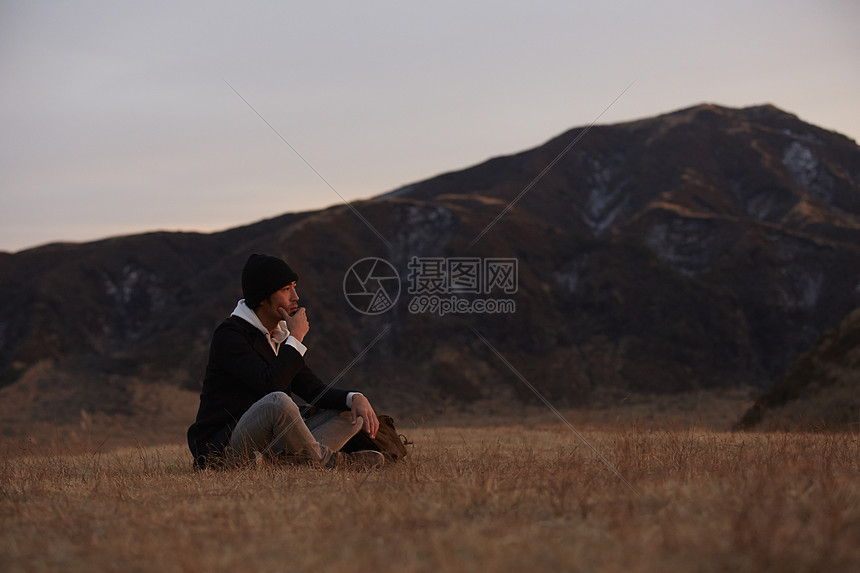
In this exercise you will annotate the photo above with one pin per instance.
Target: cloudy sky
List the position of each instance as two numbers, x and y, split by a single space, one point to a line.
117 117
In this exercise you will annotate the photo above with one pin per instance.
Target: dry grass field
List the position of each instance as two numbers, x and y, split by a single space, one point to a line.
526 498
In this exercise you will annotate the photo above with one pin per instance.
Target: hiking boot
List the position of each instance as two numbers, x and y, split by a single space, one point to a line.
360 460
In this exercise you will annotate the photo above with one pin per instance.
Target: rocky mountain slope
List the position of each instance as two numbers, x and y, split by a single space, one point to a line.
704 248
821 389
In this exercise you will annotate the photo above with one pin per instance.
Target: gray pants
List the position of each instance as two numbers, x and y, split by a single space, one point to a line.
273 425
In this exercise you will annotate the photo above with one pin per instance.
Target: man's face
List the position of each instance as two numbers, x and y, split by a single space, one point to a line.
286 298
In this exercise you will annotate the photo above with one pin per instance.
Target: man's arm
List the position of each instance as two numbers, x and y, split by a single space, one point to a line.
309 385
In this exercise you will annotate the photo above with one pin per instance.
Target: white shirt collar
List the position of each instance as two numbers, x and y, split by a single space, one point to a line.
276 337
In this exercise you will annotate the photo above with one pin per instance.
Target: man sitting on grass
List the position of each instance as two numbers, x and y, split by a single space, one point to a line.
256 363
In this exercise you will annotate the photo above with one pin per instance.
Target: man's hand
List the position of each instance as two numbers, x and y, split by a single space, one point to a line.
297 323
361 407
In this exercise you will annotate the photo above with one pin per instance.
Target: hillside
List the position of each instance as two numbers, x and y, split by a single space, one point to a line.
821 390
705 248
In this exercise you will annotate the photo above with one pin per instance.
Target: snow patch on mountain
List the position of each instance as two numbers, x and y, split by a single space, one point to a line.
605 201
807 171
801 163
760 206
568 275
683 244
800 281
422 229
800 288
137 294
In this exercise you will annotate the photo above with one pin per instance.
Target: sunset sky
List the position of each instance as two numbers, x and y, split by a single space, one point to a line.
117 117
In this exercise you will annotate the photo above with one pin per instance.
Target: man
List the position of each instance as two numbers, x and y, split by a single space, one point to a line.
256 363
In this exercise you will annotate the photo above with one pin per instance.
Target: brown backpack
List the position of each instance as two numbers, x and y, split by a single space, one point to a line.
387 440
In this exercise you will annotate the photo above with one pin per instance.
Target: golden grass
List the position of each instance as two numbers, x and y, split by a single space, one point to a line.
471 499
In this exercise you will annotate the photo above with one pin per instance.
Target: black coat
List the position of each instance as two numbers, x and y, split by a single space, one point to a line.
242 369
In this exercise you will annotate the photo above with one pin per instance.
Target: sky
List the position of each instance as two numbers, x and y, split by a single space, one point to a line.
119 117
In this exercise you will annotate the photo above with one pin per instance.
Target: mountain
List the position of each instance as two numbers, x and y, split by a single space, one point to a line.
821 389
704 248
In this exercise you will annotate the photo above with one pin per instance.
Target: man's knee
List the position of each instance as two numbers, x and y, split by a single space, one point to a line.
283 403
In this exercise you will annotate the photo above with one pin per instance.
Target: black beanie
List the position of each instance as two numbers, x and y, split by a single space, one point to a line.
264 275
